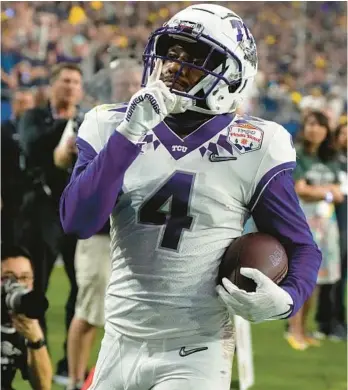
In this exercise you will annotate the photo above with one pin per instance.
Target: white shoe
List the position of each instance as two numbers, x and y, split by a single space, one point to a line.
61 380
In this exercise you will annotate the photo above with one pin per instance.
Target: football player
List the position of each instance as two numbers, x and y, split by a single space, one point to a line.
180 173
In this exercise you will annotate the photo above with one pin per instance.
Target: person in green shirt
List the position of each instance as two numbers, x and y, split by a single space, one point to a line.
317 185
340 324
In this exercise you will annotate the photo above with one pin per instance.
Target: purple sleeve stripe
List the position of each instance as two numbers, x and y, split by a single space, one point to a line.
266 179
278 213
96 182
119 109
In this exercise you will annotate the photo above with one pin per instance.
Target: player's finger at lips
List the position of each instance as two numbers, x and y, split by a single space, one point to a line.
167 94
164 91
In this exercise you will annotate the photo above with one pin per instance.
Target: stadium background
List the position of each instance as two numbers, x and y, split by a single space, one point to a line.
302 49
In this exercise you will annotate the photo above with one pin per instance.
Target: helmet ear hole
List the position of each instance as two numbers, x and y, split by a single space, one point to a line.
233 88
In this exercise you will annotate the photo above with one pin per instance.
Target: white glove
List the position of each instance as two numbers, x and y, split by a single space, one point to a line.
148 107
268 302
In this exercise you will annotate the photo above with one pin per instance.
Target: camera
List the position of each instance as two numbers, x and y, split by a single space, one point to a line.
18 299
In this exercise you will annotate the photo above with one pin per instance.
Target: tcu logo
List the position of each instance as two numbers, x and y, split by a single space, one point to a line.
179 148
276 256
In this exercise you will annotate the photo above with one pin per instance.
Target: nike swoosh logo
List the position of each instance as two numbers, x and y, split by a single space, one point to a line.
286 313
185 352
216 158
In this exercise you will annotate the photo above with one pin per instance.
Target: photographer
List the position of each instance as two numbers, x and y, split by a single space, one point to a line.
23 346
46 134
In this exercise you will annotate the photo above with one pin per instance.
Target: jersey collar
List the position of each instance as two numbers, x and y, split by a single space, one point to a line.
180 147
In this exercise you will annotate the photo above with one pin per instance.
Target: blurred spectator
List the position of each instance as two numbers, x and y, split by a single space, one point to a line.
47 137
313 102
114 84
93 268
125 80
301 45
317 185
335 103
9 59
92 276
13 180
341 212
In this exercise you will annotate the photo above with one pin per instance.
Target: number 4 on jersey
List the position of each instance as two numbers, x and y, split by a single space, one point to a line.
169 206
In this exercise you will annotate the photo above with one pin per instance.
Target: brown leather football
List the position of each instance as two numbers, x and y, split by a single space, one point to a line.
254 250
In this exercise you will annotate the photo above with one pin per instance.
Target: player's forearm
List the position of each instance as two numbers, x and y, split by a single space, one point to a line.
278 213
88 200
40 369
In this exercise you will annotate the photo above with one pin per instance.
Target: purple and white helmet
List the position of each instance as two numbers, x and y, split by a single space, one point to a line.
224 40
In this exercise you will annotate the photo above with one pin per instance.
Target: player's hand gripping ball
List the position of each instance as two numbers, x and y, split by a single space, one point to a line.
254 250
249 274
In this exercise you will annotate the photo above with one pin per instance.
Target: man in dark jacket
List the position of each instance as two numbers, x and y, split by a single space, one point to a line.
13 179
44 132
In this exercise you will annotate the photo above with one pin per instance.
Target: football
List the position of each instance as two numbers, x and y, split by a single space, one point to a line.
254 250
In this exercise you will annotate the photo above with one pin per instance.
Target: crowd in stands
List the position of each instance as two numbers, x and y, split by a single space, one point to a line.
301 47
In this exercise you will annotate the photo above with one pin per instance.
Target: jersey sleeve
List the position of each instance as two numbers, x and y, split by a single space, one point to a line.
298 173
279 156
99 124
104 155
89 130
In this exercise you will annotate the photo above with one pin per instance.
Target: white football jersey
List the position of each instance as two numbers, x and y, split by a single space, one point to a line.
183 202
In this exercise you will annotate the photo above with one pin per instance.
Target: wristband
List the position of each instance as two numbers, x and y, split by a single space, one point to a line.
123 128
329 197
36 345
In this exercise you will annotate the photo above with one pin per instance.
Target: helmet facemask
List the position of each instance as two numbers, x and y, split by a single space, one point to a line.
215 61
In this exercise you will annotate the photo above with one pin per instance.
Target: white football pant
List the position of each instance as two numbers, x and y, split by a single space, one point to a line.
191 363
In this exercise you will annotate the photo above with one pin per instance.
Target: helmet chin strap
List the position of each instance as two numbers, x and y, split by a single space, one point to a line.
208 111
213 112
204 110
182 104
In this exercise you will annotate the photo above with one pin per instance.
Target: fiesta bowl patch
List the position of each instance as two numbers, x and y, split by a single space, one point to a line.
245 137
